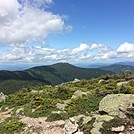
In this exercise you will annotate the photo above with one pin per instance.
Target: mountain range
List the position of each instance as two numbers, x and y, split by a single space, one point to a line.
58 73
48 75
118 68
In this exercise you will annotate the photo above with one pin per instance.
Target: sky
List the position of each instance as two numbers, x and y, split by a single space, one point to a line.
73 31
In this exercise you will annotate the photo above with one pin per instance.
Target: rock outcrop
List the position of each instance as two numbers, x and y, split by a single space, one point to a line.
116 104
120 84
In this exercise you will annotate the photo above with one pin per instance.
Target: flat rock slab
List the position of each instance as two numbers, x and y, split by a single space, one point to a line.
116 104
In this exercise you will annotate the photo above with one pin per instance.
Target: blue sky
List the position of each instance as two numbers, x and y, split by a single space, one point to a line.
74 31
109 22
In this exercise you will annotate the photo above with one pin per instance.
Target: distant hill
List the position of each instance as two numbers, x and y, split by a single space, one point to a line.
130 63
48 75
116 68
98 65
64 72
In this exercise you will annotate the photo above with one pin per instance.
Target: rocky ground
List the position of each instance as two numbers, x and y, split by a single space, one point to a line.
111 114
110 107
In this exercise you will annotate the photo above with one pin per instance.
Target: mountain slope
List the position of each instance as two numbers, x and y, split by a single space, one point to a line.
130 63
118 68
63 72
46 75
71 106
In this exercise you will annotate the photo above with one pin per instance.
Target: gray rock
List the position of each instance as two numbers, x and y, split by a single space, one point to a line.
70 128
20 111
75 80
96 128
76 119
61 106
86 119
2 97
118 129
78 93
120 84
102 118
116 104
99 122
100 81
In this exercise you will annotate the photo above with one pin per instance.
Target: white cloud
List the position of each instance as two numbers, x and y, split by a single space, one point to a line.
125 48
34 54
101 48
30 22
81 48
8 7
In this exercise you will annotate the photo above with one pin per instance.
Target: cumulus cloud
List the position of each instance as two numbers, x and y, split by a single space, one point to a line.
81 48
42 54
125 48
23 22
8 7
35 54
20 23
101 48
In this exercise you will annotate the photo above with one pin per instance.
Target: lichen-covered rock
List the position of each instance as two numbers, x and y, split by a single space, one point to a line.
70 128
102 118
75 80
96 128
61 106
76 119
116 104
120 84
99 122
101 81
78 93
86 119
20 111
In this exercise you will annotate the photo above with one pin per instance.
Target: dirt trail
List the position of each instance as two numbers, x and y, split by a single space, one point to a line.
41 126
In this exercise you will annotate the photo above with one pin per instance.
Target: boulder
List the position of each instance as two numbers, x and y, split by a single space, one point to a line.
61 106
102 118
75 80
118 129
78 93
20 111
70 128
86 119
120 84
116 104
2 97
96 128
76 119
99 122
101 81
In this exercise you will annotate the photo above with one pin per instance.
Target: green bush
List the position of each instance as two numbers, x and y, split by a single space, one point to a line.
11 125
107 126
82 105
86 128
56 116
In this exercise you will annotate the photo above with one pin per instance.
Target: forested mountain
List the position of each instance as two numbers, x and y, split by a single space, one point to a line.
116 68
48 75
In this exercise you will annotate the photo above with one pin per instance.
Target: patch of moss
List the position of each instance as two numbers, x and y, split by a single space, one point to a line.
56 116
82 105
10 125
130 112
107 126
86 128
